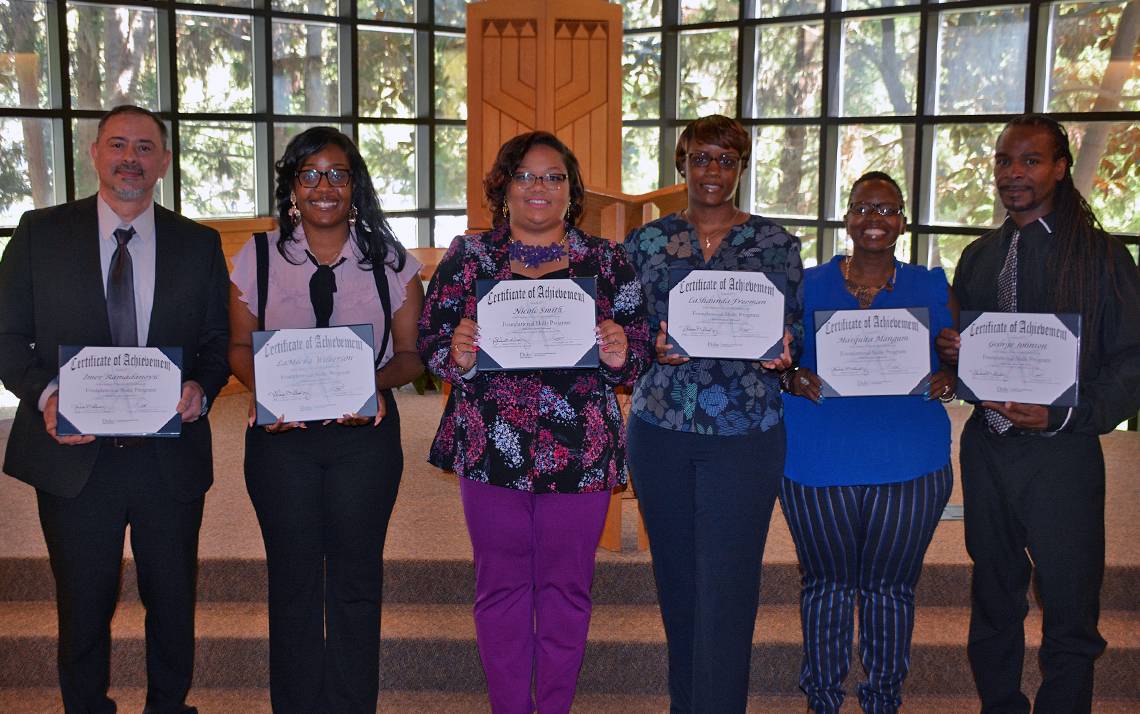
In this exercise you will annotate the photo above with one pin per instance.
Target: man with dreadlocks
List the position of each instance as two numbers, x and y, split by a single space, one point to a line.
1032 475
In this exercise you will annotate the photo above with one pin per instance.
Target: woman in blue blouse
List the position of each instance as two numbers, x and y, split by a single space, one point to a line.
866 477
706 437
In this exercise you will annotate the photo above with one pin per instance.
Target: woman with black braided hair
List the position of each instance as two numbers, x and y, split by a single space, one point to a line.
1033 505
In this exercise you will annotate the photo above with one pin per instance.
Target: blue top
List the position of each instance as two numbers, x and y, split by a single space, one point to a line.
849 441
712 396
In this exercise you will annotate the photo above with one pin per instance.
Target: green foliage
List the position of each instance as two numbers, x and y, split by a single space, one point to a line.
708 73
709 10
394 10
451 76
640 147
387 80
390 152
641 76
451 166
641 13
305 76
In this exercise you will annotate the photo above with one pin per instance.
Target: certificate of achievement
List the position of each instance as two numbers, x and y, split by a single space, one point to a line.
864 353
314 373
119 391
727 314
1026 357
537 324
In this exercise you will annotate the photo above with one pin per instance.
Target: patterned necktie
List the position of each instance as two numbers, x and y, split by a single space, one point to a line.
121 293
1007 302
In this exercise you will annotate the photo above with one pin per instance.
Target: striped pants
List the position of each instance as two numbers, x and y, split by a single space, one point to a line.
864 542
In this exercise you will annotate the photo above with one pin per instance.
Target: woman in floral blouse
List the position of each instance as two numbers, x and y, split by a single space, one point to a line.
706 436
537 452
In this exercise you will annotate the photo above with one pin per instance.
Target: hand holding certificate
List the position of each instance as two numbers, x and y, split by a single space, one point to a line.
314 374
537 324
862 353
727 314
119 391
1031 358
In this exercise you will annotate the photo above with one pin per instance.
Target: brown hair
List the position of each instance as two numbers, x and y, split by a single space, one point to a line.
714 129
511 154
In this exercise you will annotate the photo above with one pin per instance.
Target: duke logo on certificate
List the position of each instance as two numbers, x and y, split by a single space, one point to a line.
1026 357
727 314
536 324
864 353
314 373
119 391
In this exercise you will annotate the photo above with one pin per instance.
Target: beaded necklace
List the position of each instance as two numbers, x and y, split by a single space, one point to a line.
865 294
533 256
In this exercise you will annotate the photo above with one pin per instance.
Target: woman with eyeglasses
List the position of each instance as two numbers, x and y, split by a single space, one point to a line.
706 436
537 452
866 477
324 491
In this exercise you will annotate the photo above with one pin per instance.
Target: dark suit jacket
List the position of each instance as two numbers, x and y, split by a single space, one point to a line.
51 294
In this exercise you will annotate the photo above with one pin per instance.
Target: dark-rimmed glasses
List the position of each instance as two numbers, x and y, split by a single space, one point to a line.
311 178
526 179
700 159
886 210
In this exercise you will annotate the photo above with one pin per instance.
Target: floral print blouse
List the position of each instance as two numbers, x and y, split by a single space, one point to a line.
711 396
544 431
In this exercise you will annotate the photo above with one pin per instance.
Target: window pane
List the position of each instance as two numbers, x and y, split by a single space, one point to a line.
869 4
446 228
226 3
390 152
387 80
405 229
708 73
218 169
785 168
946 250
640 148
27 173
789 70
1112 183
283 133
305 68
451 76
215 63
808 241
864 148
450 166
641 76
981 61
394 10
451 12
112 56
313 7
1080 48
709 10
23 55
880 66
964 175
641 13
778 8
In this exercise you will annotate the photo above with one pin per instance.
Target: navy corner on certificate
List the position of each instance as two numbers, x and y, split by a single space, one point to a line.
1026 357
727 314
537 324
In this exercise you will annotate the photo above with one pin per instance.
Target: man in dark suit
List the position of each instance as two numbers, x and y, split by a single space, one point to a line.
116 269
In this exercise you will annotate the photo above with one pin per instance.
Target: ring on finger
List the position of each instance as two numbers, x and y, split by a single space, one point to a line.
804 381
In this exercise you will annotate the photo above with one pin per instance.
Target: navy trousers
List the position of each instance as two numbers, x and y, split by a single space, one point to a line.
707 502
861 544
1034 505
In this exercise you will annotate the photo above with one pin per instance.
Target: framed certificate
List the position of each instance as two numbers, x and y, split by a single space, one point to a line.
537 324
119 391
727 314
1027 357
863 353
314 373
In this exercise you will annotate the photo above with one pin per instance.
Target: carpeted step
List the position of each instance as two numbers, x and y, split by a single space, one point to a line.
431 647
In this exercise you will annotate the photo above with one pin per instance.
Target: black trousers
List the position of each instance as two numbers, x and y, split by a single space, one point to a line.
323 496
1034 505
85 544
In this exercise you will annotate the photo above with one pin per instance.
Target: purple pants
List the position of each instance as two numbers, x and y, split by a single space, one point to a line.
534 566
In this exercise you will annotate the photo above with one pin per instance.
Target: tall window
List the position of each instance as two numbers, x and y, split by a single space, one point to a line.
235 80
833 88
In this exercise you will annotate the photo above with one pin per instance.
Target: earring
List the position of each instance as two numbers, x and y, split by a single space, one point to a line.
506 211
352 216
294 212
569 207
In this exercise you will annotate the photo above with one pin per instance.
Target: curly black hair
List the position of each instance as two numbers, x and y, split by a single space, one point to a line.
511 154
374 237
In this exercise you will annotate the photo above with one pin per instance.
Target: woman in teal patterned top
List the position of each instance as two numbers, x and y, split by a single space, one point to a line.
706 436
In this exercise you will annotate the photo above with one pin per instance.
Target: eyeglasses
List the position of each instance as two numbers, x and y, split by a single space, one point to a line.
311 178
727 162
526 179
885 210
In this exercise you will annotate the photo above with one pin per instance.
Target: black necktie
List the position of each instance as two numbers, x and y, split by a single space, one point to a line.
121 293
1007 302
321 288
